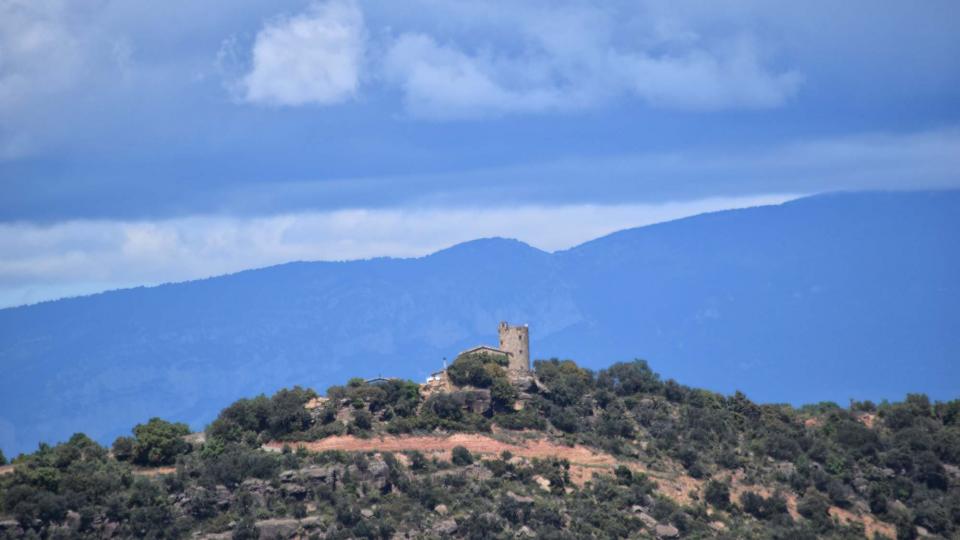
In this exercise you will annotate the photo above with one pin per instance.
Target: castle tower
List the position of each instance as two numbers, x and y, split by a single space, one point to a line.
516 341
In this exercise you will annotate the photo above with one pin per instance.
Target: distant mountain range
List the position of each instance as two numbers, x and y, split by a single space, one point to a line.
824 298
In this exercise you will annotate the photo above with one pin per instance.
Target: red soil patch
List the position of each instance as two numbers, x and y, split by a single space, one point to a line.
154 471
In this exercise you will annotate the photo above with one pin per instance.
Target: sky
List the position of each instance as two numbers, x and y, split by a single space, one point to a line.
146 142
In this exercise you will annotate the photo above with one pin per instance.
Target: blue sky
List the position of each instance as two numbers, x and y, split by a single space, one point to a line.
143 142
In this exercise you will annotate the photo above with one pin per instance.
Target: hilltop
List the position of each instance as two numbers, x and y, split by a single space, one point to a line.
825 298
562 453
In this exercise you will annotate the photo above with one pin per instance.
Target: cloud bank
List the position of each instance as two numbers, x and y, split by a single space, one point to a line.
544 58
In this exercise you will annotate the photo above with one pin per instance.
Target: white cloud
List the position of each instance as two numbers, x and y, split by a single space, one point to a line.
80 257
40 57
311 58
732 77
556 57
440 80
531 58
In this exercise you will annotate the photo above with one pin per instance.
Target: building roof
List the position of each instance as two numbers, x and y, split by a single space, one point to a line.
486 349
380 380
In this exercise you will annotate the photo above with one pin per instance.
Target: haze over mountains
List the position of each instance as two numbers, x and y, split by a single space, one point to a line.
824 298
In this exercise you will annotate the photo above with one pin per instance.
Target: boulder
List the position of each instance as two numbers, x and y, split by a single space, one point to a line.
285 527
525 532
296 491
445 527
648 520
10 528
441 509
667 531
718 525
519 498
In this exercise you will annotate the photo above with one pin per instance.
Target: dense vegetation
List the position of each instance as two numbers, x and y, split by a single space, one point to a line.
767 471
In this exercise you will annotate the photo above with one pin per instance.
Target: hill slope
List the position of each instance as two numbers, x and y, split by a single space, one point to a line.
561 452
829 297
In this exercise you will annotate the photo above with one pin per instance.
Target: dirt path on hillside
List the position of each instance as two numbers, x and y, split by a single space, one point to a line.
584 461
6 469
478 444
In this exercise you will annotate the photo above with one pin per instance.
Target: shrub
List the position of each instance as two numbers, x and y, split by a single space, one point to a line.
717 494
461 456
763 508
629 378
567 382
814 506
502 394
159 442
446 406
245 529
781 446
476 369
565 419
362 419
123 448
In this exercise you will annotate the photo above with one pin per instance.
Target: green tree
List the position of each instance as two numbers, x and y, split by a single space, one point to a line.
159 442
461 456
123 448
362 419
629 378
478 370
718 494
502 394
3 458
245 529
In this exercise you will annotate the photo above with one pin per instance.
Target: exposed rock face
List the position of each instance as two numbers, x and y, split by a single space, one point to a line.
11 528
648 520
285 527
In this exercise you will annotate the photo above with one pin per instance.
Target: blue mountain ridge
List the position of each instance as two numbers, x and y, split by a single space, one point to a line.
831 297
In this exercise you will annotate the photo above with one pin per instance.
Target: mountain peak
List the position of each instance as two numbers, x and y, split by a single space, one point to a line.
491 246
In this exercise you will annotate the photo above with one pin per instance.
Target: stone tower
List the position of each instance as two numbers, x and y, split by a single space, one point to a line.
516 341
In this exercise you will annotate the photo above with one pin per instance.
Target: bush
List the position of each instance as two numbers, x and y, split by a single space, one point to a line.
446 406
629 378
781 446
502 394
3 458
568 383
362 419
461 456
565 419
814 506
762 508
476 369
717 494
124 448
159 442
274 417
